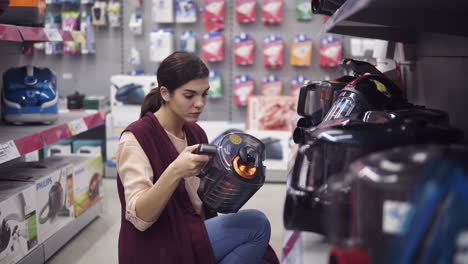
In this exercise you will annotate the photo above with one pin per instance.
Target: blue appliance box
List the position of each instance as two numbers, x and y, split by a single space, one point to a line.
29 95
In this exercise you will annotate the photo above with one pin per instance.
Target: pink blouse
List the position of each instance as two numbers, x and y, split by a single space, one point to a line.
136 175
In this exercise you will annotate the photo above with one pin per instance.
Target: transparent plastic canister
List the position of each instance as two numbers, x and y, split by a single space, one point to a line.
234 173
375 198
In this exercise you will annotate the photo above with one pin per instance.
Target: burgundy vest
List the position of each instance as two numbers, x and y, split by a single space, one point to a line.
179 235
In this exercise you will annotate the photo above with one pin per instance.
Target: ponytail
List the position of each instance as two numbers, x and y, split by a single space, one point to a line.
152 102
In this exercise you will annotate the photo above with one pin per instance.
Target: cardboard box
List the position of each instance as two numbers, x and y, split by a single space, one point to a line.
53 179
62 147
273 113
126 95
92 147
87 181
19 221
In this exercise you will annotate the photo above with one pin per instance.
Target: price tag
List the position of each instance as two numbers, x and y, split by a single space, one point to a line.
8 151
77 126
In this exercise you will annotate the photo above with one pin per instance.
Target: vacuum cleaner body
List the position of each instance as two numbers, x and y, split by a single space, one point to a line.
24 13
234 173
30 95
375 196
333 145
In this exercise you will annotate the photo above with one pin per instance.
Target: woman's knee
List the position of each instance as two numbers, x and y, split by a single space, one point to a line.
257 220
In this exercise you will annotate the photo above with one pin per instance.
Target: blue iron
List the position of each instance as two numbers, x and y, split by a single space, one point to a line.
29 95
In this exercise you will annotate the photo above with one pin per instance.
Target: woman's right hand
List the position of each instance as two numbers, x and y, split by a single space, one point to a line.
188 164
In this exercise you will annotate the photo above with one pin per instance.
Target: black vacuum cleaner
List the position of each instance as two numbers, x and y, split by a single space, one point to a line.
333 145
234 173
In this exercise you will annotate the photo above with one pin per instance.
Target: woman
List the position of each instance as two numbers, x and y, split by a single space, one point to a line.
163 219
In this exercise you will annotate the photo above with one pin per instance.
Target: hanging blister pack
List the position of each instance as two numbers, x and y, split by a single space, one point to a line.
188 41
99 13
296 84
301 51
163 11
113 12
88 31
272 85
71 22
303 10
244 49
272 12
213 47
186 11
134 62
273 49
53 21
245 11
244 87
161 44
331 52
216 85
213 15
136 23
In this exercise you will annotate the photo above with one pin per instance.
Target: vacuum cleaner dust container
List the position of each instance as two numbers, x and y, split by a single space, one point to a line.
30 95
375 194
234 173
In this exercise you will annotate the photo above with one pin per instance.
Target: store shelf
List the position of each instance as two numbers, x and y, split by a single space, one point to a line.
47 249
16 141
399 20
38 34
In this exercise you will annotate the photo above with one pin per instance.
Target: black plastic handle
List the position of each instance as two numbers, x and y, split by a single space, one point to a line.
206 149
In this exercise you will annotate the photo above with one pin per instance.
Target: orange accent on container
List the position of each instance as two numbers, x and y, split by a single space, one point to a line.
243 170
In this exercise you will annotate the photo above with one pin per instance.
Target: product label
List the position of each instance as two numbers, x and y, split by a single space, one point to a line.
32 229
77 126
394 214
8 151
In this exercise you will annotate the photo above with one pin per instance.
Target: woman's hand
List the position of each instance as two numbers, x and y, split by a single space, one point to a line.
188 164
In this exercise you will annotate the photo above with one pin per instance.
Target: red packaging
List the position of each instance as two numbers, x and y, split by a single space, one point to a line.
213 47
243 89
213 15
331 52
273 52
245 11
272 12
244 50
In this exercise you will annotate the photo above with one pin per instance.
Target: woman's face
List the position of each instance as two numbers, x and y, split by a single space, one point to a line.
188 101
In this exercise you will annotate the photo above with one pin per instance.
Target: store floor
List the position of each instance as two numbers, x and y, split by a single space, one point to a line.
97 243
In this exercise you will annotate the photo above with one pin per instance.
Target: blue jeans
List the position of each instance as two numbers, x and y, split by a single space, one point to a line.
240 237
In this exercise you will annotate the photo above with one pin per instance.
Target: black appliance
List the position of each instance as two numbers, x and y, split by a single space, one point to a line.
234 173
75 100
3 5
371 203
366 93
326 7
329 148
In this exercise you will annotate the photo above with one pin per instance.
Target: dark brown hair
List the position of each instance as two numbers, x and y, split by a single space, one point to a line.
174 71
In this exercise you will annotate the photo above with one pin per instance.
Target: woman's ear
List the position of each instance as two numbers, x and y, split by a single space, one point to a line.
164 93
